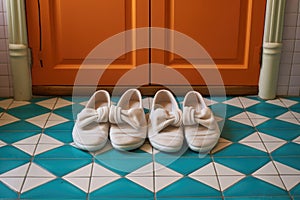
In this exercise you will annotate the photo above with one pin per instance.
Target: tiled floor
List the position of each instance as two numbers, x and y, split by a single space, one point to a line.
258 156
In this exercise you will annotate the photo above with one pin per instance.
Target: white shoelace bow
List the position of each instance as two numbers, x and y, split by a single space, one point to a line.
204 117
133 117
161 118
89 115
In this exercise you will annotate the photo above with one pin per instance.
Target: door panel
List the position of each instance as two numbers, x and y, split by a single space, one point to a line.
230 31
62 33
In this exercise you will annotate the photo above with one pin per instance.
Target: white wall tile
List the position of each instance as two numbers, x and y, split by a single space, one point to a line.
1 6
2 21
294 91
297 45
4 69
289 33
286 57
2 32
295 81
296 70
285 69
283 80
296 58
291 6
288 45
290 19
298 33
5 92
3 57
4 81
3 46
282 90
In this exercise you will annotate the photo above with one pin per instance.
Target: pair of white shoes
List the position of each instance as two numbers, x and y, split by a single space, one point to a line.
167 125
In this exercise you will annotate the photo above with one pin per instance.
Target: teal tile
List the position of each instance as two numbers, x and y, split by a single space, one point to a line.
122 188
77 99
39 99
7 193
10 152
65 151
120 198
28 111
268 110
285 134
10 137
115 99
232 125
259 198
56 189
61 167
277 124
289 161
289 149
295 191
245 165
124 166
7 165
69 112
20 126
236 135
184 165
62 127
184 152
115 154
239 150
191 198
61 135
251 186
295 108
187 187
226 111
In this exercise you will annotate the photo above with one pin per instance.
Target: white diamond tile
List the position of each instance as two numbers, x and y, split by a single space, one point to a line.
207 170
27 148
41 148
296 114
272 146
5 103
79 182
16 104
33 182
145 171
242 115
274 180
287 115
7 119
258 121
30 140
39 120
62 103
83 103
246 102
255 116
49 103
101 171
228 181
45 139
2 144
297 140
257 145
269 138
291 120
161 170
37 171
209 102
267 169
286 170
245 121
288 102
254 137
146 182
55 117
82 172
16 172
211 181
98 182
234 102
223 170
162 182
290 181
14 183
276 102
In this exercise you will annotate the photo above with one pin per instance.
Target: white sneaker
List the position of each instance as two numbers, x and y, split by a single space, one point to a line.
164 127
90 131
128 121
201 129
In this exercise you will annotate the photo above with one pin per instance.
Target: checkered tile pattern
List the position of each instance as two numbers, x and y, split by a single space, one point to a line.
258 155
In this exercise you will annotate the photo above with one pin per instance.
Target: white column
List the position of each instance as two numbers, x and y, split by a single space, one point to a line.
18 49
271 49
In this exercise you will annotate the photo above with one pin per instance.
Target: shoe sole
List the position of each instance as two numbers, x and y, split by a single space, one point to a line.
165 148
127 147
90 147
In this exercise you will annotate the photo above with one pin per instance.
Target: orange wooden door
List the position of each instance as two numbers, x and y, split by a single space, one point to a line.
62 33
231 32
